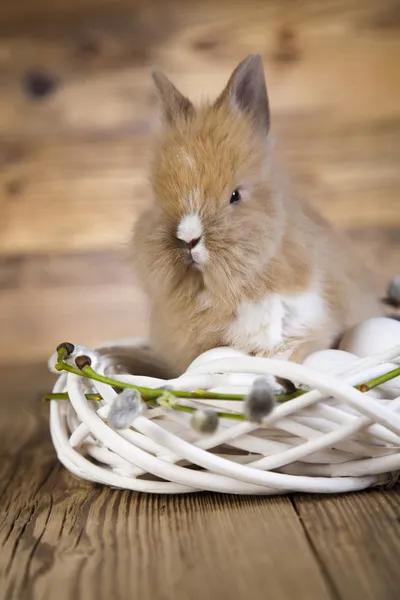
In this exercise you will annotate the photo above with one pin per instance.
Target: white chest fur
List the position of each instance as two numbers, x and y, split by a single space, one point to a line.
266 325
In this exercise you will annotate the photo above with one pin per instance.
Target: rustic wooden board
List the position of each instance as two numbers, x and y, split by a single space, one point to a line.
62 537
92 297
339 60
84 194
44 300
356 538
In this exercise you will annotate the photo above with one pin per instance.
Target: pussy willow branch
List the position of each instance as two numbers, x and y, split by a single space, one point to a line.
151 395
153 402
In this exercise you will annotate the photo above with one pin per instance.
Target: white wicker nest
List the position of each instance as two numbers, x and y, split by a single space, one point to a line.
332 439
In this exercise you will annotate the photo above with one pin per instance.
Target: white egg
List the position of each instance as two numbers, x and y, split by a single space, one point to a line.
215 354
330 361
371 337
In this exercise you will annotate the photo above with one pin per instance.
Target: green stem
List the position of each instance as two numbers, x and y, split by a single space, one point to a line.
372 383
97 398
150 395
64 396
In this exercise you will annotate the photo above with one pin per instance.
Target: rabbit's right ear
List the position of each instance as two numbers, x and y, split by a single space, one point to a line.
174 105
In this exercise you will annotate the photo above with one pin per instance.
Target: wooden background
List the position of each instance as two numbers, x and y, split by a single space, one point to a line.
73 155
76 113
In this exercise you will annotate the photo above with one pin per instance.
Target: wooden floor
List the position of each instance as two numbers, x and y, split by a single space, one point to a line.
76 111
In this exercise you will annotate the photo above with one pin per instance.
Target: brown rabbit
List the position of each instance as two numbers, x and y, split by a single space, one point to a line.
226 253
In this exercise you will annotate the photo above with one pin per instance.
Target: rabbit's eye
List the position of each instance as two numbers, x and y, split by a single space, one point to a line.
235 197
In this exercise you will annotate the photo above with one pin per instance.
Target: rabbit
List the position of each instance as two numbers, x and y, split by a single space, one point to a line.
226 253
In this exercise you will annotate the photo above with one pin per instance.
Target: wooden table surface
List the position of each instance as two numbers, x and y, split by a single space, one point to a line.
76 110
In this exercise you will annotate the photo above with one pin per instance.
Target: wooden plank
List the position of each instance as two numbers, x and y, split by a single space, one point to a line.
68 270
71 195
63 537
33 323
92 297
21 11
171 548
340 61
85 193
384 15
85 298
357 540
72 168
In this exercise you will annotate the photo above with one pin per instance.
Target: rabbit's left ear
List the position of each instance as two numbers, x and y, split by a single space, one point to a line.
247 92
174 105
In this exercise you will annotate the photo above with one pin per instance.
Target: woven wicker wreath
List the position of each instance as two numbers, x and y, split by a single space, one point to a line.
339 432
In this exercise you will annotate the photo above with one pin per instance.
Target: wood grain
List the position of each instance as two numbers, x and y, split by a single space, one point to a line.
357 540
62 537
45 300
85 194
92 297
318 60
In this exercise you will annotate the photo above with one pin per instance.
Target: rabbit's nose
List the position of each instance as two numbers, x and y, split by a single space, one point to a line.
192 243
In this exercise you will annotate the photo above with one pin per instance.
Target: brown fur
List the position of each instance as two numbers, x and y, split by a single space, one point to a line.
271 242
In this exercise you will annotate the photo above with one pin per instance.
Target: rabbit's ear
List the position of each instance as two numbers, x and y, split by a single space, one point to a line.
247 92
174 104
